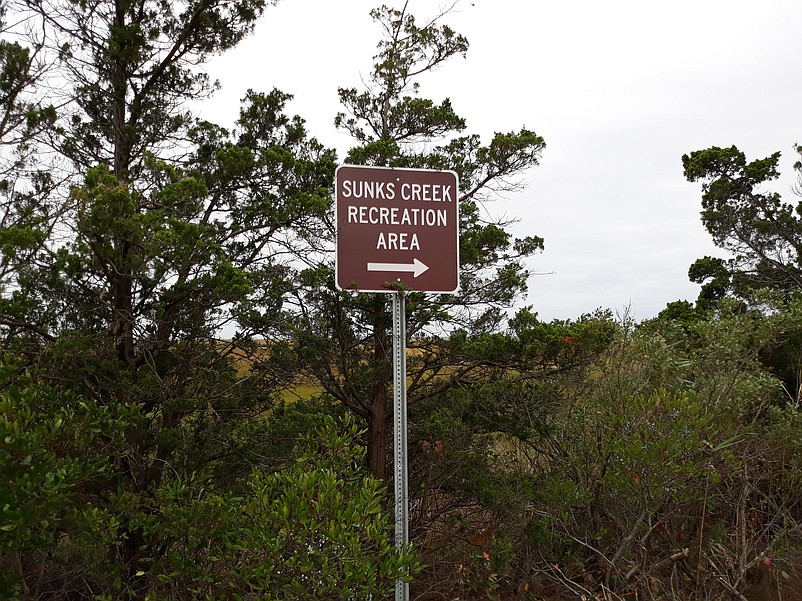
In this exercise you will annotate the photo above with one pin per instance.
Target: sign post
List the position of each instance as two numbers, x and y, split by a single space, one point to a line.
397 231
400 468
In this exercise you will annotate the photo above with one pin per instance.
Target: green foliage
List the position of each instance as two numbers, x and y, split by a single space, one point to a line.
762 236
715 278
131 69
679 424
382 112
23 115
59 450
342 338
476 445
291 422
315 529
760 232
120 292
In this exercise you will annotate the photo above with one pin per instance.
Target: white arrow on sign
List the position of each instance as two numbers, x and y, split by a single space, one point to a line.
416 267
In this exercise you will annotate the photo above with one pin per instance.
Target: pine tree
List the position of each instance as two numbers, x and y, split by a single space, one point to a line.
343 338
170 230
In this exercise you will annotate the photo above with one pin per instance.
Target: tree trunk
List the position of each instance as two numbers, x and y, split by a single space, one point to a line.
380 395
377 438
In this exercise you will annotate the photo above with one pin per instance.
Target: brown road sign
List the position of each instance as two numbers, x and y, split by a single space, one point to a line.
397 226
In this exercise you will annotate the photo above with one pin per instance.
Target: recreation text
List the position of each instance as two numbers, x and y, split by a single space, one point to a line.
397 215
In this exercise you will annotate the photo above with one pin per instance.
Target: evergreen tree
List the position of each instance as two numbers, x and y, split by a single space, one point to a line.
23 116
170 230
343 338
760 232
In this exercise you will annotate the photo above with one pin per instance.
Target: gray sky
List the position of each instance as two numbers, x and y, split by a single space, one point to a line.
620 90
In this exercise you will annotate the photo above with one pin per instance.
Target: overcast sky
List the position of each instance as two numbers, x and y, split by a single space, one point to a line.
620 90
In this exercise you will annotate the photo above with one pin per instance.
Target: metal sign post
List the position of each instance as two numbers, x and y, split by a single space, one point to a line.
400 433
397 229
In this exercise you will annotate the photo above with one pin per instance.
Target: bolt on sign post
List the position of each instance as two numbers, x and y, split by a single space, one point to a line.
397 230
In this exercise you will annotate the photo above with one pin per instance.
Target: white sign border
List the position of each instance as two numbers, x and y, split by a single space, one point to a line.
391 290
